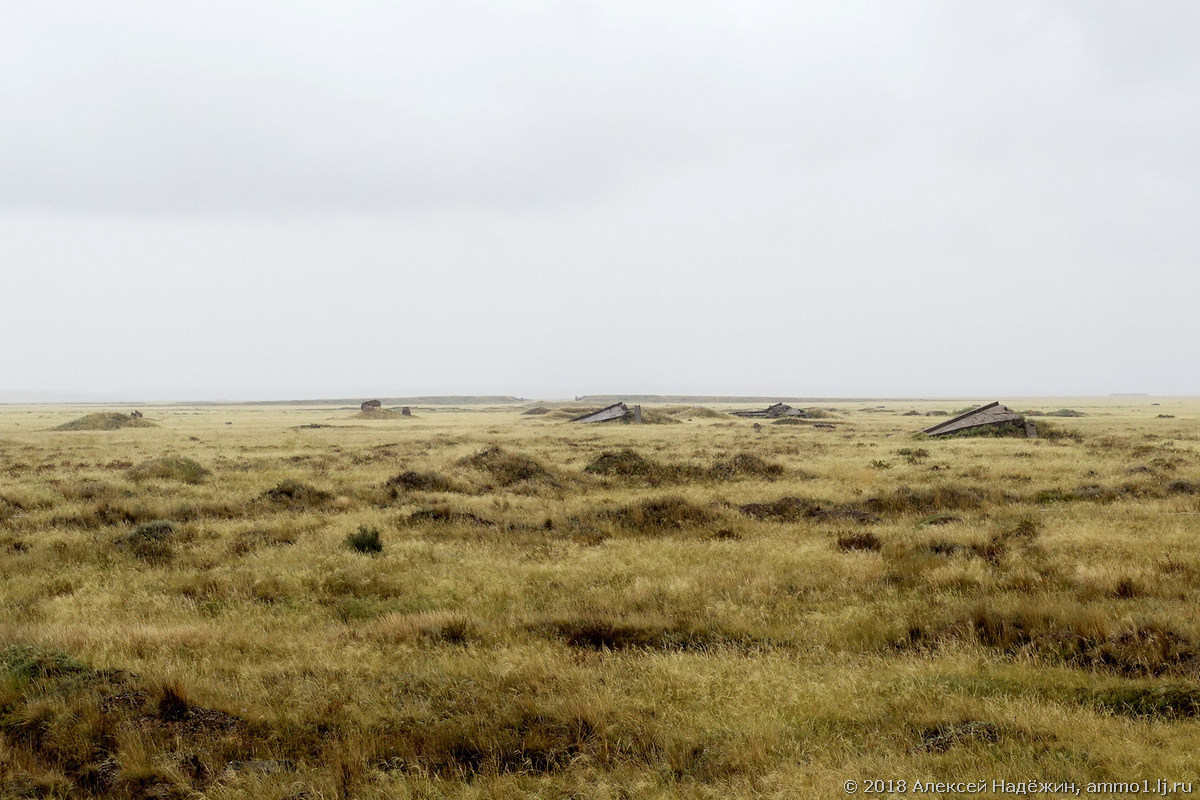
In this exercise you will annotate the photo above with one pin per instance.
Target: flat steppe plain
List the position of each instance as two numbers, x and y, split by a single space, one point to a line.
698 608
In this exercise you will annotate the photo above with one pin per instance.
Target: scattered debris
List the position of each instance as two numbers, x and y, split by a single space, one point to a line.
783 410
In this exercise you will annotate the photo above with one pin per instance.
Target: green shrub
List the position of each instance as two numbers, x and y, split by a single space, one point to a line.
365 540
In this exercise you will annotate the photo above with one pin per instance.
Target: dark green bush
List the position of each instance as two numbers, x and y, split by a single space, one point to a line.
365 540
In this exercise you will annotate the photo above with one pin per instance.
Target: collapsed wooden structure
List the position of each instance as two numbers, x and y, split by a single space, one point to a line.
610 413
777 410
992 414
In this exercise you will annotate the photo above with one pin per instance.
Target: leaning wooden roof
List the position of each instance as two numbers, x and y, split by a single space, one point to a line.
615 411
991 414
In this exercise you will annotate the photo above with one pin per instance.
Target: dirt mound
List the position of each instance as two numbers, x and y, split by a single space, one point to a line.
105 421
535 411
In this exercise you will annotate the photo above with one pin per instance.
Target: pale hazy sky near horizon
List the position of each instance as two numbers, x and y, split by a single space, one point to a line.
256 200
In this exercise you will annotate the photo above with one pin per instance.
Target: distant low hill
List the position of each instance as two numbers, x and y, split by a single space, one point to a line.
431 400
696 399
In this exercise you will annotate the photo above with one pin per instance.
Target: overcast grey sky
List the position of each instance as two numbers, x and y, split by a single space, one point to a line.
251 199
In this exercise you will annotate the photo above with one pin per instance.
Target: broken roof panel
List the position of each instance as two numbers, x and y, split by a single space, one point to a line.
991 414
615 411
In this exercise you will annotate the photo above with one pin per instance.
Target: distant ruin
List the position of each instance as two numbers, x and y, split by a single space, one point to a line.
371 405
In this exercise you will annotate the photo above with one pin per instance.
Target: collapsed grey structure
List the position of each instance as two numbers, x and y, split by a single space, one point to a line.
615 411
777 410
993 414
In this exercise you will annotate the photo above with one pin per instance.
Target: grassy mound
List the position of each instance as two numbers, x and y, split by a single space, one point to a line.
663 513
507 468
172 468
378 413
694 412
105 421
745 465
626 463
415 481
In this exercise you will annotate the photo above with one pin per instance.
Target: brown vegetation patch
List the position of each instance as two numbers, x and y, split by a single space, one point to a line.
430 627
175 468
745 465
442 515
627 463
296 495
797 509
255 538
1146 650
1171 702
940 738
152 542
785 509
640 632
662 513
107 514
859 541
64 719
414 481
906 500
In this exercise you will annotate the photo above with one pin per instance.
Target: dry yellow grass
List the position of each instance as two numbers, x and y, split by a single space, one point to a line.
545 620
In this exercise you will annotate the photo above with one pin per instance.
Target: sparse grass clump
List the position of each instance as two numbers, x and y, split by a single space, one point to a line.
175 468
105 421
